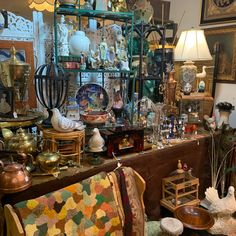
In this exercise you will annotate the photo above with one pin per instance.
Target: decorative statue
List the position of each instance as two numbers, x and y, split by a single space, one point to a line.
96 142
171 89
222 210
63 124
103 50
63 38
111 57
124 64
94 59
121 46
4 106
119 5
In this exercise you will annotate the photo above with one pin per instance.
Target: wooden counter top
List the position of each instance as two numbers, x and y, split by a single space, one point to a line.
153 165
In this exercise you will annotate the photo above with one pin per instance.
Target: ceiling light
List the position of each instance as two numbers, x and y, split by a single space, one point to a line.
42 5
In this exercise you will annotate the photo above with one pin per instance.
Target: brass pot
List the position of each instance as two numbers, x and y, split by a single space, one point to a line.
48 161
14 178
22 142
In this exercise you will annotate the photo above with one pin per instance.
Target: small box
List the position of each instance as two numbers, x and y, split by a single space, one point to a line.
123 140
178 190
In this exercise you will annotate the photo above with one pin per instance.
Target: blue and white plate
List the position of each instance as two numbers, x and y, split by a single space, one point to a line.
92 97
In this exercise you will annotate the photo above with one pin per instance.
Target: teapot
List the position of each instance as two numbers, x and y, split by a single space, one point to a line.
14 178
22 141
48 161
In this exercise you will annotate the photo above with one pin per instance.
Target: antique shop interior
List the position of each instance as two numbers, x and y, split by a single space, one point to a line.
117 117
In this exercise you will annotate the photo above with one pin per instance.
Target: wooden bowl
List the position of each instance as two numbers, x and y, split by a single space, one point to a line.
194 217
94 117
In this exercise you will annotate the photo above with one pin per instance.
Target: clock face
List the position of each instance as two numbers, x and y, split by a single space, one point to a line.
223 3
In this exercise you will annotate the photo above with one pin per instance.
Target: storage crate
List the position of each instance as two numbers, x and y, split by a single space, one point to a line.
178 190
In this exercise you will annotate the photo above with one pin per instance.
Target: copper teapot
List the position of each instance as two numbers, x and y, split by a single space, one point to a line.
22 141
14 178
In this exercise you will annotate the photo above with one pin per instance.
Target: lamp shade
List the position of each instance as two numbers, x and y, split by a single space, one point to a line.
42 5
192 46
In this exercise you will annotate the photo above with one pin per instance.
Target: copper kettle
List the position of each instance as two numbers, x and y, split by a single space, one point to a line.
14 178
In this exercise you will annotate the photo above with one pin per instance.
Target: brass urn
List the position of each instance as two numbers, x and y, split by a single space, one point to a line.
15 73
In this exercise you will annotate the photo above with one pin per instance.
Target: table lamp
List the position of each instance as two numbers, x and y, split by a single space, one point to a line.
192 46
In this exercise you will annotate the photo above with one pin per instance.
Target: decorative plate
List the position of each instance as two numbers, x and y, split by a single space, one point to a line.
92 97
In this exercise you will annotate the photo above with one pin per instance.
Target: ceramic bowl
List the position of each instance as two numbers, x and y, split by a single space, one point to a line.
194 217
94 117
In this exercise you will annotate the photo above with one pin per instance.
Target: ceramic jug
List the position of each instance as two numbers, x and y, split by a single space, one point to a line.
79 43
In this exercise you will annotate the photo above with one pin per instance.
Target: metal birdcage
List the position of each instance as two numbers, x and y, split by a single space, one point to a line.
51 86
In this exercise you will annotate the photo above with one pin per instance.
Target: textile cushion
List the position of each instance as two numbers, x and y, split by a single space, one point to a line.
85 208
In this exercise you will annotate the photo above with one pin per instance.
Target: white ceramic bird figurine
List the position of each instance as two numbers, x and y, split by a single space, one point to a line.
203 73
224 206
222 211
96 142
63 124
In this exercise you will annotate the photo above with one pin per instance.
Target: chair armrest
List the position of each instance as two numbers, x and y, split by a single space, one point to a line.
14 227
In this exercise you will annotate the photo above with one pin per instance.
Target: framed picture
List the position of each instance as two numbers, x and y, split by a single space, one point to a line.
225 37
218 11
6 102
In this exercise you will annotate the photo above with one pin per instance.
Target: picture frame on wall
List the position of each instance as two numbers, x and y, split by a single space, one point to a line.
6 102
218 11
225 39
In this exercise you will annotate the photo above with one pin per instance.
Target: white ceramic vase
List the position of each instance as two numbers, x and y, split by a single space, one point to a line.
224 118
79 43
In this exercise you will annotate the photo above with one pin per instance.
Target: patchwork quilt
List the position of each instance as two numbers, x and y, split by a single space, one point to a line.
86 208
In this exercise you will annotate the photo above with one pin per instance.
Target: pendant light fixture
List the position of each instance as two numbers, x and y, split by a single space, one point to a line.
42 5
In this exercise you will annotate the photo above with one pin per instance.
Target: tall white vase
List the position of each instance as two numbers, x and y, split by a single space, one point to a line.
79 43
224 118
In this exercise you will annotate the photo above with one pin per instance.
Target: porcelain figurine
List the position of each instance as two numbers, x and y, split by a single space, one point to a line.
171 89
111 57
63 32
222 210
63 124
103 50
96 142
119 5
